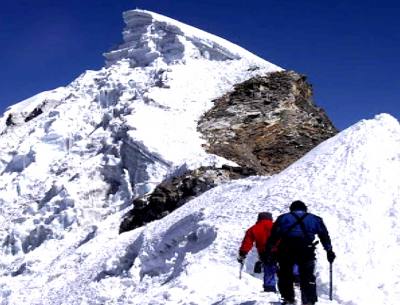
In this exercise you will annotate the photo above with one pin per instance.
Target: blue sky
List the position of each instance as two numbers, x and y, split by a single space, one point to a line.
348 49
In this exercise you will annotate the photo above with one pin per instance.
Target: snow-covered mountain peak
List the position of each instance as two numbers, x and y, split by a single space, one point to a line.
150 37
380 121
88 148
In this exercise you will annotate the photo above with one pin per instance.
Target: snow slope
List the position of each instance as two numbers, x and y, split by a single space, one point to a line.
71 159
189 257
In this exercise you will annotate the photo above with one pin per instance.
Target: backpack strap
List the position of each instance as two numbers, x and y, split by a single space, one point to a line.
299 221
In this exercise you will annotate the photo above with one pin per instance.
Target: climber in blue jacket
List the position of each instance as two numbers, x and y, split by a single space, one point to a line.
293 234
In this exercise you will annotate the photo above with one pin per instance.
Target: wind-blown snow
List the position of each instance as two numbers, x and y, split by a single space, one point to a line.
71 159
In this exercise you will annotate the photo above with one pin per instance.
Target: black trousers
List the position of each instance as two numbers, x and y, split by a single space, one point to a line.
307 279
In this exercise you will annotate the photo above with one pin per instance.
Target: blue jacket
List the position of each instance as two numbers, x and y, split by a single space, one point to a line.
313 225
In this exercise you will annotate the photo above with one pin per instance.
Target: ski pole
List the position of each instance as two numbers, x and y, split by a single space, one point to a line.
240 271
330 282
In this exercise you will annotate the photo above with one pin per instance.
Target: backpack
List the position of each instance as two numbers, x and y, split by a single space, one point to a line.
299 248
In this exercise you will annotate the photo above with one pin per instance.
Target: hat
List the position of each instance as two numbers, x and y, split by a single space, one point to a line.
264 215
298 206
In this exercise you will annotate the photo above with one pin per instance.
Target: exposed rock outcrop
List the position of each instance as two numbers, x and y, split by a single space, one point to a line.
266 123
174 192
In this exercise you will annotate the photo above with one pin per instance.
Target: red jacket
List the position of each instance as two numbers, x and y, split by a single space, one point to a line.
259 234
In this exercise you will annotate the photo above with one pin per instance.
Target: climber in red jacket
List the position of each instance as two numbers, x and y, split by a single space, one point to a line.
259 234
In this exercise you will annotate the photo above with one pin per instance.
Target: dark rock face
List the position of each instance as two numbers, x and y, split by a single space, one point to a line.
266 123
175 192
36 112
9 121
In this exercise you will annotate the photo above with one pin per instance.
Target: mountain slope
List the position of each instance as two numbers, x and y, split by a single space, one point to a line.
76 154
188 257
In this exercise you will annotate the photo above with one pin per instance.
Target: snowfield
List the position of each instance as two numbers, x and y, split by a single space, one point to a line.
70 168
189 257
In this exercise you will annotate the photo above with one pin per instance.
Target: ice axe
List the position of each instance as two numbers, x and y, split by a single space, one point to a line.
240 270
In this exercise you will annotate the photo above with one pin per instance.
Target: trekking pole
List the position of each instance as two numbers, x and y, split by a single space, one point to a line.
240 271
330 282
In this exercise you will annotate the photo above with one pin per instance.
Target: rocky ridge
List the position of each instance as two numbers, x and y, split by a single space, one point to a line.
266 123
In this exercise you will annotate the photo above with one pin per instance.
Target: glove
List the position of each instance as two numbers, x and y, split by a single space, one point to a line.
241 257
330 256
258 267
